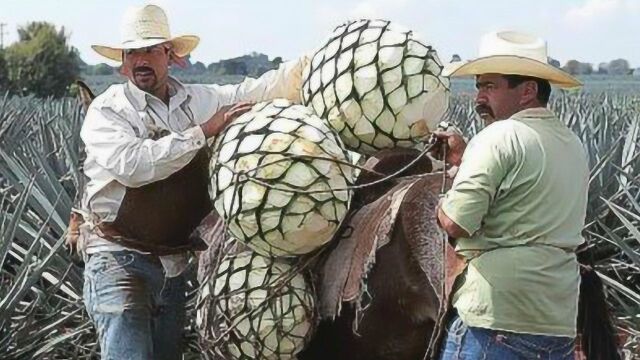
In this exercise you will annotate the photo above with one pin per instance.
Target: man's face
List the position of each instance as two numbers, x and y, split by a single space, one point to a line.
147 68
495 100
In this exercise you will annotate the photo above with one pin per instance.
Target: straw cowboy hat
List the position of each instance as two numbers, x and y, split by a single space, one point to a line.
146 26
513 53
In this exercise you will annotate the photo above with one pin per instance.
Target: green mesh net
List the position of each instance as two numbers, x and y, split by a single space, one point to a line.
254 307
280 176
377 85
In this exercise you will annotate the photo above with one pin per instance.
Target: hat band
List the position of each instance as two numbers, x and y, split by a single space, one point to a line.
146 38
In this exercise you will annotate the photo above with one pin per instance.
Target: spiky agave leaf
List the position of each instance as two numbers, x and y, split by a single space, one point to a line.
41 312
377 85
279 178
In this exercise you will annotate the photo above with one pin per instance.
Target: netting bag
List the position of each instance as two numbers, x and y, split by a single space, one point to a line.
377 85
279 179
254 307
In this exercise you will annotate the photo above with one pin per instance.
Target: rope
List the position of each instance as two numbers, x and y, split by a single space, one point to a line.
347 188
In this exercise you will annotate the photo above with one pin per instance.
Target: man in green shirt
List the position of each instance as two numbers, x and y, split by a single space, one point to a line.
516 209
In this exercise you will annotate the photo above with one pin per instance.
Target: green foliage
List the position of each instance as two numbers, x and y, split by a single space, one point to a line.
619 67
41 306
41 311
41 62
99 70
575 67
4 78
252 65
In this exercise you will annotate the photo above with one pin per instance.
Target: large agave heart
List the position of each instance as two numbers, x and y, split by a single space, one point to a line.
277 174
261 308
377 85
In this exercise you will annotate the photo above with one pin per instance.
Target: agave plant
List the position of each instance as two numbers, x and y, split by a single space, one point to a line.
256 308
41 310
279 179
377 85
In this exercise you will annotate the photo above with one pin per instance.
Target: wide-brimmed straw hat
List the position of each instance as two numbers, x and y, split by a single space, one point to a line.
513 53
144 26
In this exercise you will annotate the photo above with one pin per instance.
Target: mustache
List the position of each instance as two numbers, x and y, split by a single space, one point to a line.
484 109
142 69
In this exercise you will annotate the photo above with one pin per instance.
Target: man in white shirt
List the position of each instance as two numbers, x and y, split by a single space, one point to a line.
146 142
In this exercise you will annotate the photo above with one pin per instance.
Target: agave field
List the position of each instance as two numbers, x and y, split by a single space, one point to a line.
41 309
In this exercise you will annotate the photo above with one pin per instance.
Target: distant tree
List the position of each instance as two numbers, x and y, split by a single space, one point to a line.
455 58
42 62
572 67
575 67
553 62
102 69
276 61
619 67
586 69
234 67
636 72
603 68
198 68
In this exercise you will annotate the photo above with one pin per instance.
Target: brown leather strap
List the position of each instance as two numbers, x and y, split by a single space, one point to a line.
109 232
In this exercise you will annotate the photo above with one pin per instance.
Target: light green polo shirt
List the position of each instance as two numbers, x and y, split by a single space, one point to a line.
522 181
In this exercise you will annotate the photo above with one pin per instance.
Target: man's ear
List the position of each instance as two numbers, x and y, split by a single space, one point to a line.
529 92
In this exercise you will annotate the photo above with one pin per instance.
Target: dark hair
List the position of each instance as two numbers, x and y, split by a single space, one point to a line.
544 88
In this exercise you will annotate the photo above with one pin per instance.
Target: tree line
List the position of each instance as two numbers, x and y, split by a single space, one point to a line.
43 63
575 67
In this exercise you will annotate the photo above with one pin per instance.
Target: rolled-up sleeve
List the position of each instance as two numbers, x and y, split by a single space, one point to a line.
484 165
111 143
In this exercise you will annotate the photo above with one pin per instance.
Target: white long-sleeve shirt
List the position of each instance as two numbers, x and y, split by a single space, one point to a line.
121 153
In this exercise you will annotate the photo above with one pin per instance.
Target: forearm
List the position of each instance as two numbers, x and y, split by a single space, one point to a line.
135 162
450 227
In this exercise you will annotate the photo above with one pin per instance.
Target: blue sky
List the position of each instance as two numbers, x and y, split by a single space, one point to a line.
587 30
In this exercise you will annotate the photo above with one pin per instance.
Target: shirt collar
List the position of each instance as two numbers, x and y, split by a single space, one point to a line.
140 99
538 113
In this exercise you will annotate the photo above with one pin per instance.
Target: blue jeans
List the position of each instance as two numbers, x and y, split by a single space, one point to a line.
138 313
471 343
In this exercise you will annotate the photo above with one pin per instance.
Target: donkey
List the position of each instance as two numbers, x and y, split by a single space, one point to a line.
405 289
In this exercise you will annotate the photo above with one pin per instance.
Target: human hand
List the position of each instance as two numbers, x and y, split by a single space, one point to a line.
223 117
454 143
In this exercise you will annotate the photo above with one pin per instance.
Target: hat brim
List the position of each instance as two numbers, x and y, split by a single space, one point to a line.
182 46
512 65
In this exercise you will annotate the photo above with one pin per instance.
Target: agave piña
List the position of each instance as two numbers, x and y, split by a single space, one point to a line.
277 174
377 85
261 308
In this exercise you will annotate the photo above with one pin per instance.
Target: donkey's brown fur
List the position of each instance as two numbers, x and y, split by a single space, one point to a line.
404 306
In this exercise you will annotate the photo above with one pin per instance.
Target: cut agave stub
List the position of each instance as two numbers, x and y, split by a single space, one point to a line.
260 308
377 85
279 179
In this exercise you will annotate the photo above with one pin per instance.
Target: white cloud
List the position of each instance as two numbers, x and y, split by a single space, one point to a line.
593 10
